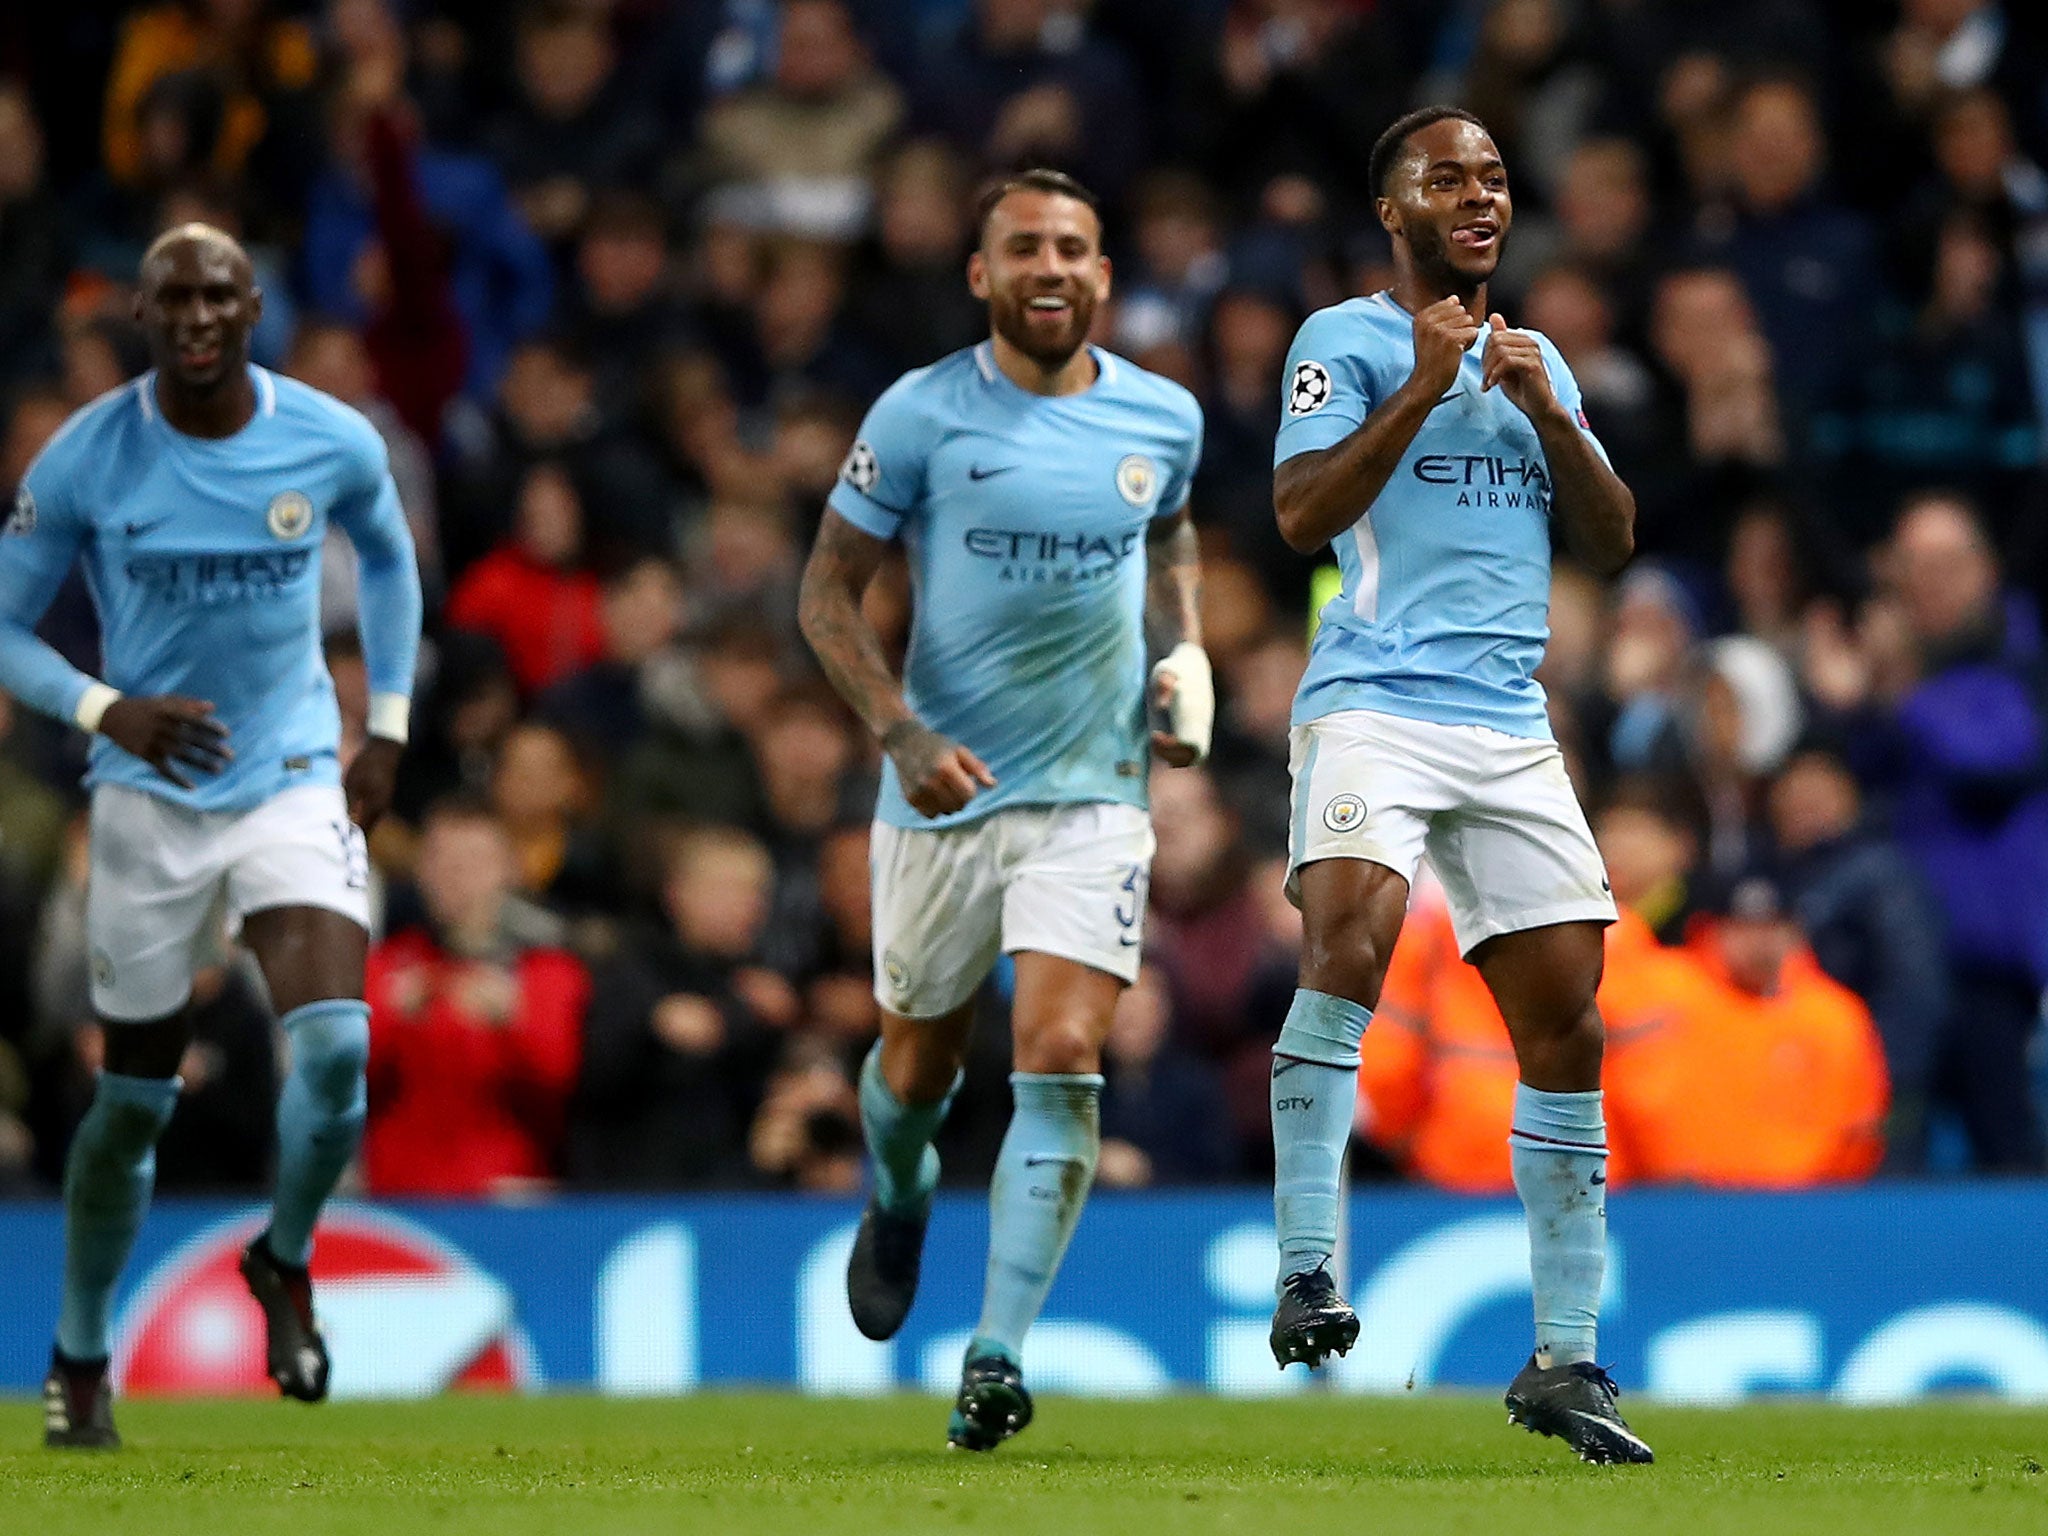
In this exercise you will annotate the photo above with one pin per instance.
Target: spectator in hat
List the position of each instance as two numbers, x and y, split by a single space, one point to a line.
1775 1081
1872 923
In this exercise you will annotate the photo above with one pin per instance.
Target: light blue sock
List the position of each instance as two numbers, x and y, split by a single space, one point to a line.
319 1117
1315 1094
1559 1150
899 1140
1041 1182
107 1182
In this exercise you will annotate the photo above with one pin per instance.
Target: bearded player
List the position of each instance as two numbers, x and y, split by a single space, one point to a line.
197 498
1040 488
1438 450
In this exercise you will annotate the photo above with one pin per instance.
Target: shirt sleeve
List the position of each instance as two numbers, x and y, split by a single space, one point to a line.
1326 392
40 539
882 480
1566 387
390 606
1180 478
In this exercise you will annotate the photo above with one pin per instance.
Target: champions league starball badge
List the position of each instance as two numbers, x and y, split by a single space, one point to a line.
1309 390
22 518
861 469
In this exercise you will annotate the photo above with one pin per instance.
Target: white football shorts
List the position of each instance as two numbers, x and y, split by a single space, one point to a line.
1065 880
1495 813
164 879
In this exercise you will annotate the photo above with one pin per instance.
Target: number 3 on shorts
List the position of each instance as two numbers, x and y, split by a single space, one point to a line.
1130 905
355 854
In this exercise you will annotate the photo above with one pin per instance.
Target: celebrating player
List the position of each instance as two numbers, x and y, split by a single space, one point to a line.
1040 486
1435 447
197 497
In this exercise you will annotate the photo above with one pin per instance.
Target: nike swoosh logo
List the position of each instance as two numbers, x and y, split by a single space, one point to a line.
1614 1430
1035 1159
137 530
1127 941
976 472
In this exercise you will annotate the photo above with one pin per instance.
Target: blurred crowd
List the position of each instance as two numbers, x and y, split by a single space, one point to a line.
616 279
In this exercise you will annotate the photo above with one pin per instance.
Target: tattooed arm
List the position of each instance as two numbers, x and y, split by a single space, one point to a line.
1173 583
938 776
1182 688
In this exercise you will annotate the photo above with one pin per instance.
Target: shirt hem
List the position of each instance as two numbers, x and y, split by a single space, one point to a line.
1517 724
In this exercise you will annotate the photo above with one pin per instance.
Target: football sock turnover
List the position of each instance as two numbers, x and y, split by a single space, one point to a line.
1043 1173
1559 1151
108 1177
899 1138
1315 1094
319 1117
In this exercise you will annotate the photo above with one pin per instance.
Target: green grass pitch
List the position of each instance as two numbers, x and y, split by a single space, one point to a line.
744 1463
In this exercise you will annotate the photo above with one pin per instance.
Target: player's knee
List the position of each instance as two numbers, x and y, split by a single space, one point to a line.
1064 1044
130 1126
147 1050
1565 1046
923 1077
1341 956
331 1056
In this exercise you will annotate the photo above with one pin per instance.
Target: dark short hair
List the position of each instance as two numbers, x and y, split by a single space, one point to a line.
623 215
1672 798
1037 179
1387 149
460 805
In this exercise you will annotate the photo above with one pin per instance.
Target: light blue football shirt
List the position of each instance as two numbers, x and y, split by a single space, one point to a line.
1024 517
1445 604
203 559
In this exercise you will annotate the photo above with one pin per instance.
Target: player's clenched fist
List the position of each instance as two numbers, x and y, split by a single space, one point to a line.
938 776
1443 332
1515 362
170 733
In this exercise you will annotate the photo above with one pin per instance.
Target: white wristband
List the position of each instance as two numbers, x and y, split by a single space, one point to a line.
390 716
93 705
1191 714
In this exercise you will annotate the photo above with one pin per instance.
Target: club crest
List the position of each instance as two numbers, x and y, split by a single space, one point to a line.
896 972
291 514
1344 813
1137 479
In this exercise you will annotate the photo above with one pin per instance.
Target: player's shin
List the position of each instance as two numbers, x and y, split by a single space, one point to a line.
1559 1151
1314 1098
319 1117
1042 1177
108 1179
899 1138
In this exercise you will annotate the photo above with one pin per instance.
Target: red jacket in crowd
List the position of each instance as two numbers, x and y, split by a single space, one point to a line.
544 617
471 1066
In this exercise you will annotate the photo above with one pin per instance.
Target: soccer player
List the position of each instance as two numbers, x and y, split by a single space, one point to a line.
1040 486
197 497
1437 449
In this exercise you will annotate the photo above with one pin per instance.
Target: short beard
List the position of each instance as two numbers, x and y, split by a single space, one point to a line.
1431 254
1012 323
